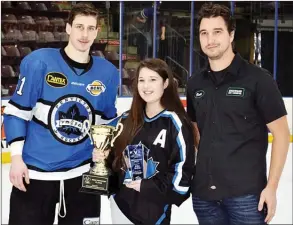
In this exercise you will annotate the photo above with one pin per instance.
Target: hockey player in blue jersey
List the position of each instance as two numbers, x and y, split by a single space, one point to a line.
57 90
158 124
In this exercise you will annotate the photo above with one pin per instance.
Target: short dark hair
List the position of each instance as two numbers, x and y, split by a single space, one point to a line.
85 9
209 10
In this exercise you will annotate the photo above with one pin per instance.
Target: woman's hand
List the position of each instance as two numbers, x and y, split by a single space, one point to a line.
134 185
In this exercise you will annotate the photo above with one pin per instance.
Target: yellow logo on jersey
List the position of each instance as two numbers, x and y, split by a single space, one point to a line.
96 88
57 80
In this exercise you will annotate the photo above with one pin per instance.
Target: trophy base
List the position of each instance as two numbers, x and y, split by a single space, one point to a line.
93 191
95 184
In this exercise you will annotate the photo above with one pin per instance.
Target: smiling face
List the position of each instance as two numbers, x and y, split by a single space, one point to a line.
82 32
215 40
151 85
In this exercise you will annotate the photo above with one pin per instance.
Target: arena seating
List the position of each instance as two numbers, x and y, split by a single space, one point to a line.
27 26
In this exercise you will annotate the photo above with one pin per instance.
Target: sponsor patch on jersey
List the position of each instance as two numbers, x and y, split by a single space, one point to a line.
57 80
235 91
96 88
91 221
66 119
199 94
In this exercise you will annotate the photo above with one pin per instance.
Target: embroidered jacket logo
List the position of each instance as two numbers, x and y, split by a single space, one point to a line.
96 88
57 80
199 94
235 91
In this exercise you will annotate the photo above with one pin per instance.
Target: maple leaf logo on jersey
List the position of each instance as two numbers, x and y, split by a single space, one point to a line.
66 118
151 168
71 121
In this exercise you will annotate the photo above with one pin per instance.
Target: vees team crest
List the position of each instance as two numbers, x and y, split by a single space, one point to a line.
66 119
96 88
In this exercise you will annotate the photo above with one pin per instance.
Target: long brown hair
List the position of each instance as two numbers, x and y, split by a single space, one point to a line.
133 123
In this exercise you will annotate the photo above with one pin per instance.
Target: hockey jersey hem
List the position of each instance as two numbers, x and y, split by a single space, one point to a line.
73 173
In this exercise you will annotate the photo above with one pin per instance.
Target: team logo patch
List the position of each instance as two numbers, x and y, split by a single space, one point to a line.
96 88
57 80
235 91
199 94
66 119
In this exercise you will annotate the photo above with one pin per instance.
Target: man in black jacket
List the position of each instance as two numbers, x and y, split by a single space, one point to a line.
232 104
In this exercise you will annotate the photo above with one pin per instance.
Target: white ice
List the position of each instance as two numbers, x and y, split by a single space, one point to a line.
184 214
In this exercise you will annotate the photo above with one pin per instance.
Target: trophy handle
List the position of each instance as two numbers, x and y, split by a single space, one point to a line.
86 126
119 129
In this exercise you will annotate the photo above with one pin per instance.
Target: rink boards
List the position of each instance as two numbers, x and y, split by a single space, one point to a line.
123 104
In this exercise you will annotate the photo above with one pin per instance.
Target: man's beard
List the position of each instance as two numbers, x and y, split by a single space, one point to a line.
217 56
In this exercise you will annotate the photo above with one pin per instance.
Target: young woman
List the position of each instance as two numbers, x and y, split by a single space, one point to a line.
157 125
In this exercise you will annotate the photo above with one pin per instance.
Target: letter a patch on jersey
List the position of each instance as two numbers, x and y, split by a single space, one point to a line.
161 138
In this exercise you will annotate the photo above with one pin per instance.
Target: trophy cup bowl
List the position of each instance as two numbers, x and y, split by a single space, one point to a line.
97 179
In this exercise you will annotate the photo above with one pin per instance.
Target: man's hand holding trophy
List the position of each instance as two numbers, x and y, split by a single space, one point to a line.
97 180
137 163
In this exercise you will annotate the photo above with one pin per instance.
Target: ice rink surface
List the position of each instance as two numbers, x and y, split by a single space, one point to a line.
184 214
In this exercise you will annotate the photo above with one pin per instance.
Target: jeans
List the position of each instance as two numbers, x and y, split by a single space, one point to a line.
229 211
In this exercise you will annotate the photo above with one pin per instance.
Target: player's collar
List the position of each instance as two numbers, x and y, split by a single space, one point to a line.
73 64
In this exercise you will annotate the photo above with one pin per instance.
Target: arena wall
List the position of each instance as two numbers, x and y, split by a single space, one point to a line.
123 104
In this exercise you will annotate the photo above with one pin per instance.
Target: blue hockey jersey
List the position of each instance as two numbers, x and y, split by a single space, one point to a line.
50 104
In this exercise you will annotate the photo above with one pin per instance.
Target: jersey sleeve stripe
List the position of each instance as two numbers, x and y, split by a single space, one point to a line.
41 112
45 102
98 112
16 139
108 118
40 122
21 113
19 106
163 215
99 120
182 150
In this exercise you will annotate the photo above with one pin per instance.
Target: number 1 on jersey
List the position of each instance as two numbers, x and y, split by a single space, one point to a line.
19 92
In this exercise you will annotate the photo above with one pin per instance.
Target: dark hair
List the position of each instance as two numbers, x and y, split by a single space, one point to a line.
209 10
133 123
85 9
